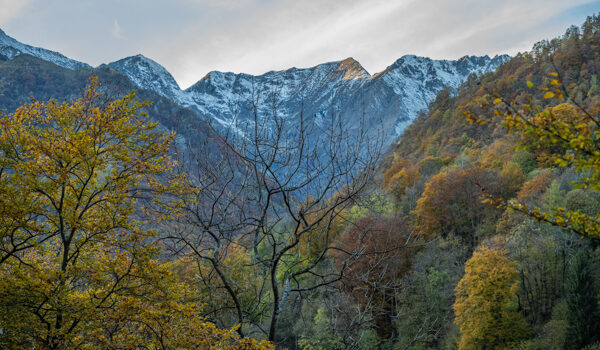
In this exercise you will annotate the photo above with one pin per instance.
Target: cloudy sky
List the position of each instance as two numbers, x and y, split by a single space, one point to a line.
192 37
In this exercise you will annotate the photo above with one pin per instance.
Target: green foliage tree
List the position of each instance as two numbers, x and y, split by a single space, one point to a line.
541 253
584 201
320 336
425 316
582 300
554 197
525 160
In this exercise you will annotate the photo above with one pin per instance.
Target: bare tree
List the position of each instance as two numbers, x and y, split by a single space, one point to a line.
268 210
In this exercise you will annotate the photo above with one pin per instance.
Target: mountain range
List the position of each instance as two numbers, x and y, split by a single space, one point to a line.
389 100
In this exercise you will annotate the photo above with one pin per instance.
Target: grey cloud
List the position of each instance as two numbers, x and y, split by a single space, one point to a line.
192 37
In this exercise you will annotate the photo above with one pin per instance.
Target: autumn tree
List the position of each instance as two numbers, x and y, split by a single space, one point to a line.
402 175
79 269
485 310
512 178
451 203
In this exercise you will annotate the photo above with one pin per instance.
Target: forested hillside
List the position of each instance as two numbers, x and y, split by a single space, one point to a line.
497 182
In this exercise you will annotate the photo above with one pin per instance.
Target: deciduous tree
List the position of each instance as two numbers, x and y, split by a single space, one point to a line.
485 309
451 203
282 199
79 268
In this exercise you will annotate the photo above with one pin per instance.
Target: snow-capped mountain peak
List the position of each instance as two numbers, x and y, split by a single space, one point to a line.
146 73
10 48
391 98
417 80
352 69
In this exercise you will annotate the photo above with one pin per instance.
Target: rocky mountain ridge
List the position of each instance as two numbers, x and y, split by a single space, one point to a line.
394 96
389 100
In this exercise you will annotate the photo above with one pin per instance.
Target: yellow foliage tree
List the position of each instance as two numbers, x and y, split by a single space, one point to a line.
77 269
485 311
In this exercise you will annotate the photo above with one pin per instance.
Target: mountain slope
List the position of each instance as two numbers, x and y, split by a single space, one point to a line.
418 80
11 48
443 131
444 166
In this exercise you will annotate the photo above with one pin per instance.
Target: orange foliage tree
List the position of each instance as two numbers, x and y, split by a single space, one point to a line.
451 203
400 176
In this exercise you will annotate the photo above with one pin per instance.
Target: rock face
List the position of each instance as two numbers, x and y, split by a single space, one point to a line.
384 102
10 48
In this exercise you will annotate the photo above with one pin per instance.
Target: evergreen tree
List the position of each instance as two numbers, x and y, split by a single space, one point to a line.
583 317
